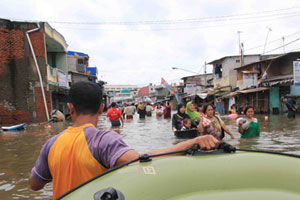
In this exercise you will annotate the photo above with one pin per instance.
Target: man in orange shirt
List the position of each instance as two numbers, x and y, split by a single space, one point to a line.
115 115
82 151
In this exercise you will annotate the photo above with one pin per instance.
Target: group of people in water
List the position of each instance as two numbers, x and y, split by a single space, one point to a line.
207 121
117 114
189 116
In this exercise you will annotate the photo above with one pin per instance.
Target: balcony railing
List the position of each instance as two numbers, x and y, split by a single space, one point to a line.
52 75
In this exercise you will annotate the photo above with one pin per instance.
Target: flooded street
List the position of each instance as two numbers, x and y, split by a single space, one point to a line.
19 150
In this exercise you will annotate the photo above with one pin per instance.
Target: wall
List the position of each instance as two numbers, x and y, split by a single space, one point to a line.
78 77
295 90
283 66
229 74
72 63
18 75
61 61
274 100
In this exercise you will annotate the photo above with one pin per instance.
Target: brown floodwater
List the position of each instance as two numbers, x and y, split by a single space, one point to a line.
20 149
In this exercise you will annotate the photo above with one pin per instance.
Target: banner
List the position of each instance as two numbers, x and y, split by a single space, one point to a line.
171 89
62 79
190 89
296 66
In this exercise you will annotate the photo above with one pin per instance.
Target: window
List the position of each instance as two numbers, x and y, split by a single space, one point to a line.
53 59
80 61
237 61
218 71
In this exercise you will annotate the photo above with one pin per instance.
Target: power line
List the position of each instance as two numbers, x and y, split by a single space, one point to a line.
282 45
184 21
279 39
187 20
181 28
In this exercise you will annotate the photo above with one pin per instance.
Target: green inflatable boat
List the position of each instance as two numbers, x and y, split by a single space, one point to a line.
214 175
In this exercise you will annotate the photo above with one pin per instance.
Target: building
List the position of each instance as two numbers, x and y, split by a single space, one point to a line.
225 77
33 71
143 93
125 96
272 78
78 68
224 73
161 94
196 87
115 90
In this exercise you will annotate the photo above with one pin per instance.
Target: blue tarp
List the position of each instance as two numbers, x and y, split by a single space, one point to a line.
75 53
92 71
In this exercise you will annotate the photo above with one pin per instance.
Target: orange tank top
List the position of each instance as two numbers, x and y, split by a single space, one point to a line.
71 162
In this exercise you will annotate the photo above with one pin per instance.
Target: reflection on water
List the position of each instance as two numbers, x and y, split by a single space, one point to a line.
19 150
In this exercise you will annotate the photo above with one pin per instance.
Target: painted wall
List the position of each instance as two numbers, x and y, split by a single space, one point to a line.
274 100
295 90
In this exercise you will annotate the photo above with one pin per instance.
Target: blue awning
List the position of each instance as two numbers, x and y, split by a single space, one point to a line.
75 53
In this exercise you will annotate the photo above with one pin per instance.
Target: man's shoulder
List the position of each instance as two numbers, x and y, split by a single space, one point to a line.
92 133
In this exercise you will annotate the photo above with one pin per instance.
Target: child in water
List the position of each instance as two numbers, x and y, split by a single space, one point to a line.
187 123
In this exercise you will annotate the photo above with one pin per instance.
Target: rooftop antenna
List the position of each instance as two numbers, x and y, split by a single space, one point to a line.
283 44
269 29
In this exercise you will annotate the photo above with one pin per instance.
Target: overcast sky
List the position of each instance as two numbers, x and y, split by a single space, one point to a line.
139 41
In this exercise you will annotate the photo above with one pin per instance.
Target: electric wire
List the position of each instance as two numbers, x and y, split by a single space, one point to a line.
282 46
178 28
186 20
279 39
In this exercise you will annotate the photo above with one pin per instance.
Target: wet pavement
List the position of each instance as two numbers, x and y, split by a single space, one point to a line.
20 149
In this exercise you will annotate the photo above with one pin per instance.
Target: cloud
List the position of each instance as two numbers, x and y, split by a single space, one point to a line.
125 56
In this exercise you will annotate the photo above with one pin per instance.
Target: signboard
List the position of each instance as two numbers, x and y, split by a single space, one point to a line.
62 79
296 66
190 88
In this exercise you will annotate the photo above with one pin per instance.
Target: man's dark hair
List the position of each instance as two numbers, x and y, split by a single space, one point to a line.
86 97
113 104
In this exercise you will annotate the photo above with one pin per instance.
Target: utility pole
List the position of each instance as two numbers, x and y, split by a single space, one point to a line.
240 49
205 78
242 54
283 44
269 29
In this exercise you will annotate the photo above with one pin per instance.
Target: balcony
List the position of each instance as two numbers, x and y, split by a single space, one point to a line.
57 77
52 75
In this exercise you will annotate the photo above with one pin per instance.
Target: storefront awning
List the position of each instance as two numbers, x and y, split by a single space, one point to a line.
250 72
202 95
253 90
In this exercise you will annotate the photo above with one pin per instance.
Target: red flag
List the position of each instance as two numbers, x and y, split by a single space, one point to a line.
162 81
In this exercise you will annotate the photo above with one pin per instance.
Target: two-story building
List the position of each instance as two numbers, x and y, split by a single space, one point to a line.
225 76
273 78
78 68
224 73
33 71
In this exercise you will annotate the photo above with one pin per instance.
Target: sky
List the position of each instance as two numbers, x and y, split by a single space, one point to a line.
138 42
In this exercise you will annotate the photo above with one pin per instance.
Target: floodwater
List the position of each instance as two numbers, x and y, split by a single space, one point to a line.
19 150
